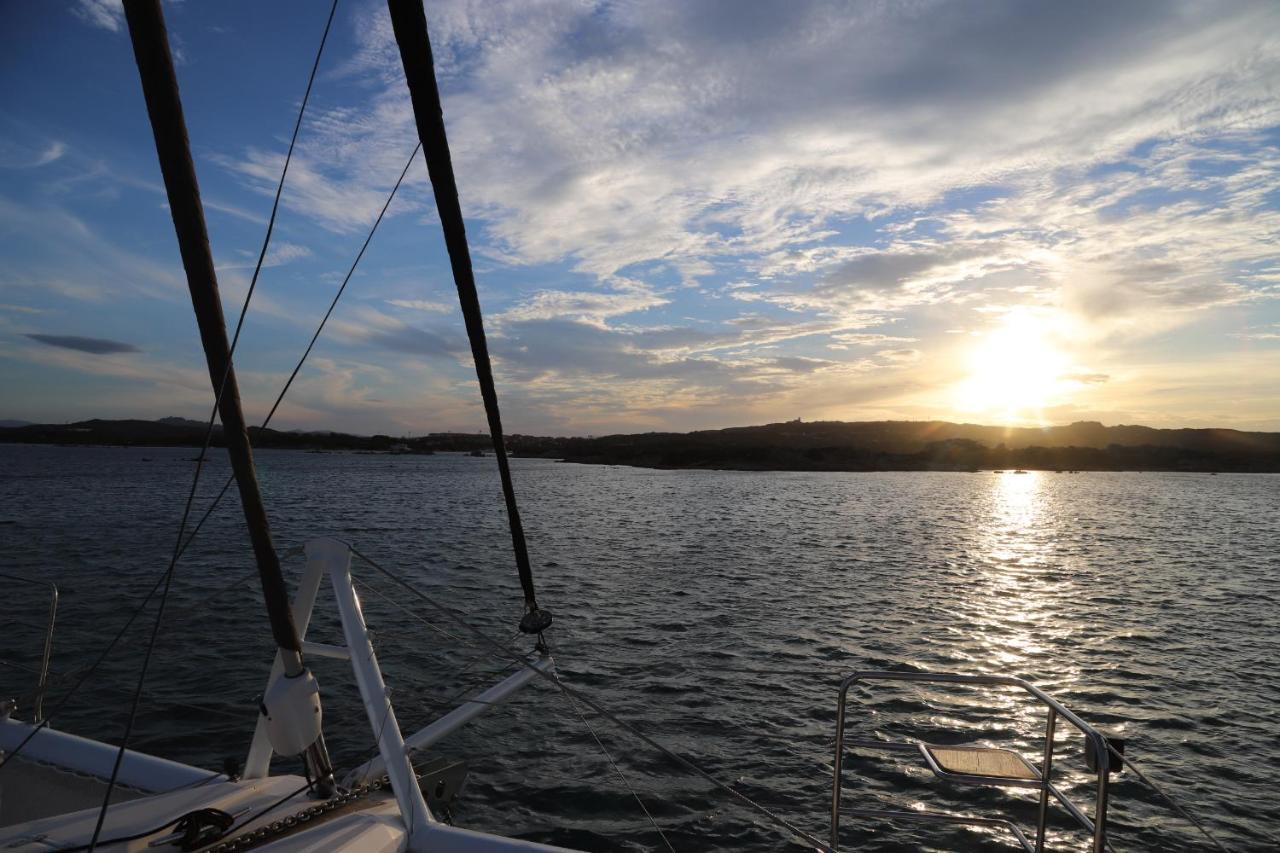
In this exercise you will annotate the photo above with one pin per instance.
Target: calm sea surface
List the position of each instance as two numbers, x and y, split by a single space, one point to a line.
717 611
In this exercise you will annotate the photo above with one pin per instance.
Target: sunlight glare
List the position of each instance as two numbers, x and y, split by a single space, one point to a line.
1015 371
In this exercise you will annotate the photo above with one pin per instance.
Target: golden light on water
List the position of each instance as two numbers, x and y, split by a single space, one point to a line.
1025 577
1015 514
1015 371
1015 558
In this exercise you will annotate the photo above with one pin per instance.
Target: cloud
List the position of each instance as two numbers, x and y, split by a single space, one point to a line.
686 207
866 339
94 346
53 152
581 377
414 341
105 14
1271 333
798 364
900 356
14 155
20 309
880 272
329 183
555 355
584 306
366 326
233 210
279 253
619 135
421 305
624 135
896 278
633 144
1086 378
82 263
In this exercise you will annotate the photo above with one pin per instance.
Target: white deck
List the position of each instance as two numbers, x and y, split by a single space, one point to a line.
30 790
370 823
59 781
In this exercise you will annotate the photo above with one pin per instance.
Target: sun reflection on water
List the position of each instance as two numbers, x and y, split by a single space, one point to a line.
1009 610
1016 587
1001 605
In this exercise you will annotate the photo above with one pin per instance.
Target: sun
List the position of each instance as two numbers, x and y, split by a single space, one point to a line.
1015 370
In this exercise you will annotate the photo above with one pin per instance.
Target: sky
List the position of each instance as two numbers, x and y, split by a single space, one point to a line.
683 215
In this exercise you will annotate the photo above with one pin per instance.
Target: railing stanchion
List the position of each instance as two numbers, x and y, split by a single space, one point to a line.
46 652
1100 809
837 765
1046 778
1096 743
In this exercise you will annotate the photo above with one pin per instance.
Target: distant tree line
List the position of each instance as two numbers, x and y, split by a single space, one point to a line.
793 446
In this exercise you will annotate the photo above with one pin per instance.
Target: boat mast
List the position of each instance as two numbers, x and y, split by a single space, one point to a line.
164 106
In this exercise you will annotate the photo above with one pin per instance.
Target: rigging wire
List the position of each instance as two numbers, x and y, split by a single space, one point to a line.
230 480
1127 761
275 204
195 480
311 344
152 697
430 625
84 673
467 687
449 703
334 304
618 770
772 816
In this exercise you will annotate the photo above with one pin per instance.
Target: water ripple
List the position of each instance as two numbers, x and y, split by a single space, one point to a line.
719 611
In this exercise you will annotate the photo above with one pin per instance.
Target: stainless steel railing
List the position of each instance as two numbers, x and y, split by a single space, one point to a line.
1096 744
41 672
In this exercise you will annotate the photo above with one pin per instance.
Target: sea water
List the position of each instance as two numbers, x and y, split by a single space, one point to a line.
715 611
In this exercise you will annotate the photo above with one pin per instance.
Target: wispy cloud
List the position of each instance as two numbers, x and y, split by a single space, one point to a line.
618 135
20 309
421 305
54 151
585 306
234 210
81 262
279 253
17 156
105 14
1269 333
630 142
719 210
342 194
93 346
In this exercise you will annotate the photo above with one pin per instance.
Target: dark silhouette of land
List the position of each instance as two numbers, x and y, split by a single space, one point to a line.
934 446
792 446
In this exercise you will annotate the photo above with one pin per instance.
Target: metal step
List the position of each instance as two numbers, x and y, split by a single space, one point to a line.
980 765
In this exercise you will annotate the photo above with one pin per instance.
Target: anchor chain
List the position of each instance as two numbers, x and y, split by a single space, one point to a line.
298 820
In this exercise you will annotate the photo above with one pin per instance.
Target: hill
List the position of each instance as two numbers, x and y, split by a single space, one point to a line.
182 432
791 446
931 445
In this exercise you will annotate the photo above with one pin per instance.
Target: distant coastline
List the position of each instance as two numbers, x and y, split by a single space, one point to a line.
792 446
